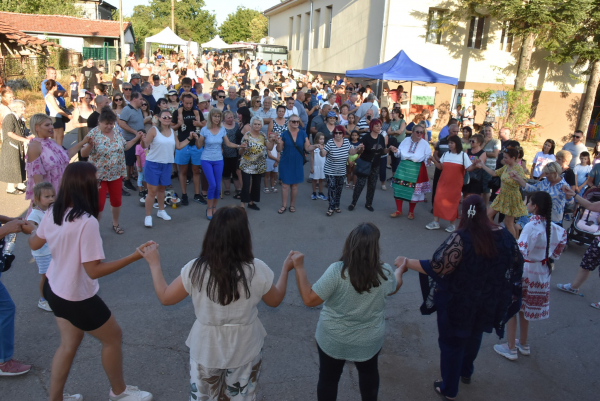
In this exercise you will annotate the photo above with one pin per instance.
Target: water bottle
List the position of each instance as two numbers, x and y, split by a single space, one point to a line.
9 244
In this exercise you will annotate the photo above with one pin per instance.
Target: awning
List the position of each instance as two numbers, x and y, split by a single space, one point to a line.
166 37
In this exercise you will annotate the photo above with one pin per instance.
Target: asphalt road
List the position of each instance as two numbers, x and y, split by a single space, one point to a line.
564 363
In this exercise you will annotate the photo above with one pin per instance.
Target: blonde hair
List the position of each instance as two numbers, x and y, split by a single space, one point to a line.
42 186
565 155
254 99
211 113
36 120
552 167
226 113
156 120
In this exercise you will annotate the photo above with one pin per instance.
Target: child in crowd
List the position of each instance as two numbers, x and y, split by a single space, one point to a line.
350 176
74 85
317 168
140 156
582 170
43 197
273 158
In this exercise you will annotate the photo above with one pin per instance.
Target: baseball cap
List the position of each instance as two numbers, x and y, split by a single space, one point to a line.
331 114
136 76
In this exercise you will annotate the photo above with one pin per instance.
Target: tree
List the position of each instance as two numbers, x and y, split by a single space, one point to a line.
583 49
244 25
47 7
191 20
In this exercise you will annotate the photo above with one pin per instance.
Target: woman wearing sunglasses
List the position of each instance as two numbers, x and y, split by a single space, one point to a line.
118 103
147 113
411 182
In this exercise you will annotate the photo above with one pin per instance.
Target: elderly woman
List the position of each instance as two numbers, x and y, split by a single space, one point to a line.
12 154
253 164
7 96
509 201
46 161
336 152
292 144
479 255
106 150
372 146
57 115
411 182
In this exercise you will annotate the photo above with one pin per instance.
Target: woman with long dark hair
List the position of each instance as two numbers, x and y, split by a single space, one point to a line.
72 233
540 240
226 283
243 117
352 322
473 282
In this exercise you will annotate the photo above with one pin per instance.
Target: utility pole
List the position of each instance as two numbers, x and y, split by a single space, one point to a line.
122 32
173 15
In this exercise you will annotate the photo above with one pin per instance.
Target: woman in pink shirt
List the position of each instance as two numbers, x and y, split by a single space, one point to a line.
72 284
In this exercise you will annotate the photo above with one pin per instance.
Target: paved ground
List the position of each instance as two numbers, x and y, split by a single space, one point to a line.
564 362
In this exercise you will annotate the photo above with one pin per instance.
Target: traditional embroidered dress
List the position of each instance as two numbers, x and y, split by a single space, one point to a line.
411 181
536 276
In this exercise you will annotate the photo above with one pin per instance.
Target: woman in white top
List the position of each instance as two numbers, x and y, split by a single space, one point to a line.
56 114
226 284
157 172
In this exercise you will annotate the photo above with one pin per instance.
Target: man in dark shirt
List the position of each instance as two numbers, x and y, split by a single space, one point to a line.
89 76
244 75
147 95
101 101
185 125
135 83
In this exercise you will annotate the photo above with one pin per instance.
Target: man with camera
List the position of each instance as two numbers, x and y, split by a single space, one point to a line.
363 125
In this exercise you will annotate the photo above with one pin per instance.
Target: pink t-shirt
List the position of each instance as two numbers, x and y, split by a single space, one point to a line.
72 244
141 152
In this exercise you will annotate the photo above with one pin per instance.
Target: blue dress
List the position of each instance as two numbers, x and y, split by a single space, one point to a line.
291 166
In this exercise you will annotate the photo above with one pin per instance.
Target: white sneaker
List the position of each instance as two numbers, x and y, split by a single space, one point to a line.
131 393
450 228
384 187
524 349
74 397
148 221
434 225
44 305
163 215
506 352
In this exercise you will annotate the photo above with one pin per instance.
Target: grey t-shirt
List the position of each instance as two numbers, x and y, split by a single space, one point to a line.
301 113
492 145
575 150
231 103
134 118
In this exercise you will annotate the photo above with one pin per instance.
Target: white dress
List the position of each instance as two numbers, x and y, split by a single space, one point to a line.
319 166
536 276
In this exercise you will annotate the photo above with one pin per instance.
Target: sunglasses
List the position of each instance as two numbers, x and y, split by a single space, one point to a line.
419 132
295 121
165 118
221 97
120 99
472 141
338 132
144 104
127 89
577 136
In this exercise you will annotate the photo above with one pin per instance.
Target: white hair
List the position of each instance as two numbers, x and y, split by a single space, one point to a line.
256 118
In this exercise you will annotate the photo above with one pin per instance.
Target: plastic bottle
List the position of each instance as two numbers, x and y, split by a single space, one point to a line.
9 244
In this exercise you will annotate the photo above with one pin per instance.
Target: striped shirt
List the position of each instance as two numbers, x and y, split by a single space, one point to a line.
335 163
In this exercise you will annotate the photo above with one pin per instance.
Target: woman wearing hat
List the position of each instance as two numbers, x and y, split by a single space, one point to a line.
172 100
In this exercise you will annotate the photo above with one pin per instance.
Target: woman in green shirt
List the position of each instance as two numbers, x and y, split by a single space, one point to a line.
352 322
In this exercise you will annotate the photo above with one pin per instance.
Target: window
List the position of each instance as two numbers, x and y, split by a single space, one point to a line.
316 28
298 31
306 31
291 33
434 35
506 39
476 29
53 40
328 20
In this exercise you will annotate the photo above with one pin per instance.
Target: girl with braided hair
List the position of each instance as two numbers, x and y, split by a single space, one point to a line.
540 240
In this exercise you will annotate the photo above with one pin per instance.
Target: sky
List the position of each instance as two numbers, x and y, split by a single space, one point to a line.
217 6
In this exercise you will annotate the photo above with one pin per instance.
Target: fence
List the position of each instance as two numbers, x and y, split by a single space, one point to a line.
32 67
105 53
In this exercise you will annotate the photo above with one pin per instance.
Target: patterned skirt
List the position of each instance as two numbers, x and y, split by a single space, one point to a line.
238 384
536 291
411 182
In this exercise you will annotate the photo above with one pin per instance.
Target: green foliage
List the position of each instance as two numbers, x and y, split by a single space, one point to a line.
191 20
244 25
48 7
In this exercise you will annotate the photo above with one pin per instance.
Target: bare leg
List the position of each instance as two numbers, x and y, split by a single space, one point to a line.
42 280
509 222
110 335
486 199
294 194
524 323
183 168
150 198
160 194
491 213
196 178
582 275
511 332
59 134
70 338
285 191
116 211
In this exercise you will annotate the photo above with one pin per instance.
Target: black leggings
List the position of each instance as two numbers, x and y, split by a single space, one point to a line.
371 182
330 371
250 187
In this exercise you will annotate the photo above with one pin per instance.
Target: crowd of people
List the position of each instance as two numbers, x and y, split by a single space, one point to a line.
156 125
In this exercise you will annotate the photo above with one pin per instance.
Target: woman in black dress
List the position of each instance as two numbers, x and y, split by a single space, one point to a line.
12 156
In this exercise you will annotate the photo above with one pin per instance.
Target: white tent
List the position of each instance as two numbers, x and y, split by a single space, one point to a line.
218 43
165 37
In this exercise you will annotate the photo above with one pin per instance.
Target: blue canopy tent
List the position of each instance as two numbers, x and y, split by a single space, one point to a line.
401 68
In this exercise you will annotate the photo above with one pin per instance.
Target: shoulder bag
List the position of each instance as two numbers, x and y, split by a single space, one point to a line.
467 177
304 159
363 167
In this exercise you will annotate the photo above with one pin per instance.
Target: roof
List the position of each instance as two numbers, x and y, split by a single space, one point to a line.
282 6
22 39
63 25
166 37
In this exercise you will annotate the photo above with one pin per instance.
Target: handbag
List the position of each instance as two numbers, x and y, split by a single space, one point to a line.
467 177
363 167
304 159
67 111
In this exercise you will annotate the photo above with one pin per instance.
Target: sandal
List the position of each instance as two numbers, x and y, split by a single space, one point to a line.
411 216
266 190
595 305
338 210
237 196
347 186
396 214
274 190
330 212
294 209
226 193
437 388
118 229
282 210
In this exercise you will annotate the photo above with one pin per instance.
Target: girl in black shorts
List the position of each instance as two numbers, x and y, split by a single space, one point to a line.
71 231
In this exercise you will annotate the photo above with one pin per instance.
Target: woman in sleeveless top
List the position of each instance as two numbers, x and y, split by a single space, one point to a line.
243 116
81 114
56 114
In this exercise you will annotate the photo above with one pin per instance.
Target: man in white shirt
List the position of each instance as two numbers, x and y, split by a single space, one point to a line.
158 90
290 109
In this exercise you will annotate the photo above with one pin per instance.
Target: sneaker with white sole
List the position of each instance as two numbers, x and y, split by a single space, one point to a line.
450 228
163 215
148 221
384 188
131 393
567 288
506 352
524 349
13 368
43 304
72 397
434 225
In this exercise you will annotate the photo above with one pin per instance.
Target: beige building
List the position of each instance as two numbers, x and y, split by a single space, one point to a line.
337 35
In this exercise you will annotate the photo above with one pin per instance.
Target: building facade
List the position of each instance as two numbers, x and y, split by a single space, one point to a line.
338 35
96 9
